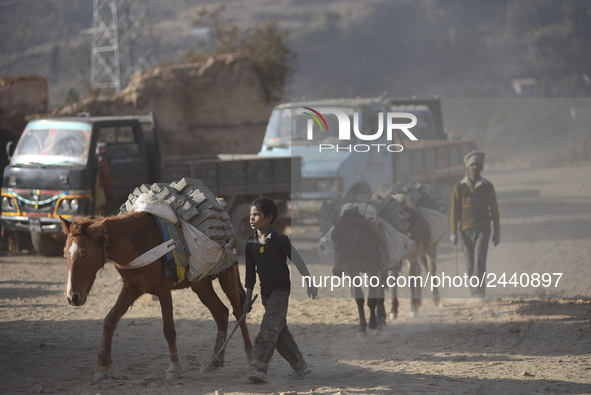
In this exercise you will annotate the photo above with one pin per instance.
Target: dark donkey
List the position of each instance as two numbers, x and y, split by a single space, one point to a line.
356 250
357 245
121 239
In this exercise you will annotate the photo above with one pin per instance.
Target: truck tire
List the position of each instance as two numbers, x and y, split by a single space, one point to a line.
240 218
47 244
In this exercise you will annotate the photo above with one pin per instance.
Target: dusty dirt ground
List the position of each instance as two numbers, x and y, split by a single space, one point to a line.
521 340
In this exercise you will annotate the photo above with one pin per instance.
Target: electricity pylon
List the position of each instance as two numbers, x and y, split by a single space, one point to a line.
121 42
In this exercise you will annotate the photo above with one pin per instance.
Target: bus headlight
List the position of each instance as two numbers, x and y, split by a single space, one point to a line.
8 203
65 205
68 206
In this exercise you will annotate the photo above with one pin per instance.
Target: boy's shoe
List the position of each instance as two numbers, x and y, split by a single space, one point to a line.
258 376
300 373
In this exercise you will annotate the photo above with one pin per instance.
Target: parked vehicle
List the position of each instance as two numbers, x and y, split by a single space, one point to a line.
336 160
90 165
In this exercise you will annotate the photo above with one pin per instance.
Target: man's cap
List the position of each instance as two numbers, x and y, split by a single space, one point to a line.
474 157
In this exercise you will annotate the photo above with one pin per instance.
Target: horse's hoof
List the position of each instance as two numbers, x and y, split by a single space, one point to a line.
361 334
414 314
436 301
100 376
174 371
373 324
393 316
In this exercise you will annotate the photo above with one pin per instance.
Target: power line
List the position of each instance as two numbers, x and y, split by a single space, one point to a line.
121 42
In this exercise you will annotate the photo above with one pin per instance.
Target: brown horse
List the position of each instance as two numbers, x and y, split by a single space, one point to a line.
121 239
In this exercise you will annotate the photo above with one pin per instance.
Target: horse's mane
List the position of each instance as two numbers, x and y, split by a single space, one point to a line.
80 224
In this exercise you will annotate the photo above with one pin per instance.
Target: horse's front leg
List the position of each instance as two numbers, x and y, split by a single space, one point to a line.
230 283
126 298
174 370
360 299
219 311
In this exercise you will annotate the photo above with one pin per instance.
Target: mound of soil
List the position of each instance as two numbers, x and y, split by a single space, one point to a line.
215 106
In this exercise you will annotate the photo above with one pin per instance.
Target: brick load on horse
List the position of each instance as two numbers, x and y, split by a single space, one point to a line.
374 236
123 239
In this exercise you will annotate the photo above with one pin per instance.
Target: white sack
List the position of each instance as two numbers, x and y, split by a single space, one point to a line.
146 202
202 252
326 245
437 222
398 243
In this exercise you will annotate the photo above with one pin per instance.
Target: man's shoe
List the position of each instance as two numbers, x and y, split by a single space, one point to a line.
258 376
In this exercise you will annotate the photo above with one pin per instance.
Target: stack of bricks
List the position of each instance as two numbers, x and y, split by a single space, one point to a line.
193 202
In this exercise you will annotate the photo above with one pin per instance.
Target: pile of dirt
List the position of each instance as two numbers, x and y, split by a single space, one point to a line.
20 97
214 106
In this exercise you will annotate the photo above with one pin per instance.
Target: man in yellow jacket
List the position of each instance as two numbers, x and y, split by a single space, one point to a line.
473 207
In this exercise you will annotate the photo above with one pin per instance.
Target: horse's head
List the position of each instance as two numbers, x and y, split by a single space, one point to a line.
84 253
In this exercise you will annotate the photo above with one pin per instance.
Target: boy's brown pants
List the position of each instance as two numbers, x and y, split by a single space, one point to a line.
274 334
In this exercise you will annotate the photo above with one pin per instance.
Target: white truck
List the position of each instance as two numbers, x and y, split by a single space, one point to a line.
354 145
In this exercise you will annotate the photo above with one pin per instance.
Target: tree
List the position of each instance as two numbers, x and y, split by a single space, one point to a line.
265 44
72 96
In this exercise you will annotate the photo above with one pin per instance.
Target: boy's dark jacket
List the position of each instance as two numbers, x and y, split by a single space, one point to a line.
270 262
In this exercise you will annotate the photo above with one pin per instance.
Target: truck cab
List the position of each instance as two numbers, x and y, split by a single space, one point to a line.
75 166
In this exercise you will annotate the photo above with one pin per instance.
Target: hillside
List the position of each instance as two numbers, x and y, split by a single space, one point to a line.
454 48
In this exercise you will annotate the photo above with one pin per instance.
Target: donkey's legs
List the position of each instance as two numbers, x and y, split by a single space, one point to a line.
126 298
394 309
360 299
375 302
377 313
230 283
219 311
372 303
381 309
415 289
432 267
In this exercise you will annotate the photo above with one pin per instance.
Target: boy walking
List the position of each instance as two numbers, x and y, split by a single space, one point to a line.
266 253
